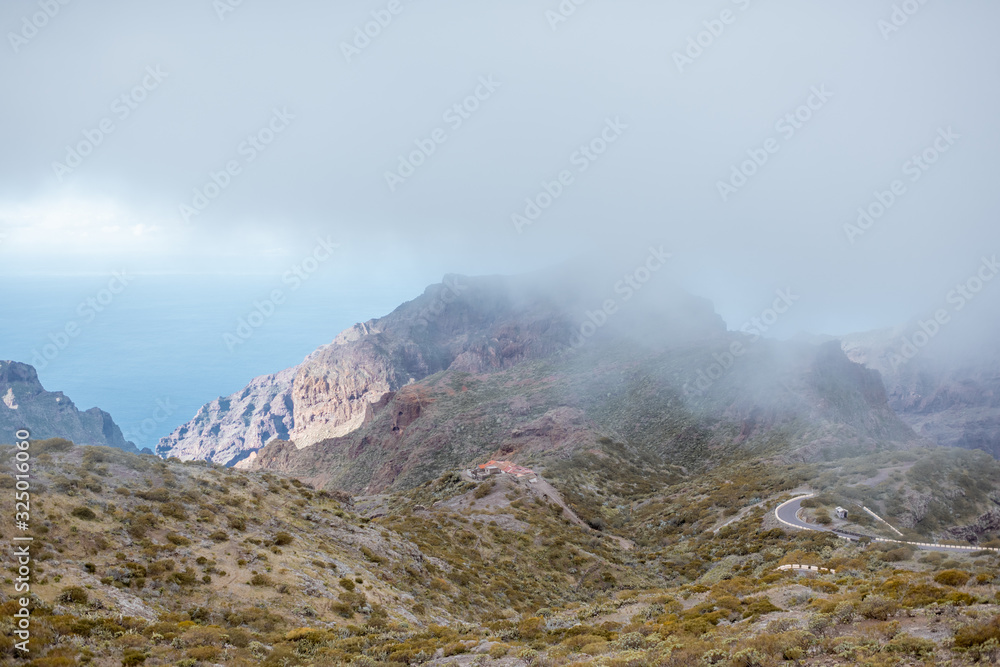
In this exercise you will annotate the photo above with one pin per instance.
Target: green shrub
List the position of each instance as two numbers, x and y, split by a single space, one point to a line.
531 628
921 595
484 489
133 657
759 607
159 567
952 577
158 495
372 556
749 657
186 578
84 513
977 634
174 509
910 645
73 595
261 580
455 648
896 555
204 653
51 445
877 608
178 539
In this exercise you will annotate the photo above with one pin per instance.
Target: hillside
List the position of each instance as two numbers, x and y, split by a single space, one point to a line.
142 561
229 428
464 324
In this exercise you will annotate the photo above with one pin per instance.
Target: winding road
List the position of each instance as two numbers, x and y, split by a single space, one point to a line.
788 514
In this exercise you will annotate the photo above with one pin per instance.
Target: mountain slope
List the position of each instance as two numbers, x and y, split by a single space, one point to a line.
464 324
136 560
948 392
50 414
810 403
538 367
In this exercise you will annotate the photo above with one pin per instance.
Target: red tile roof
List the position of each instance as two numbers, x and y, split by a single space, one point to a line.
507 467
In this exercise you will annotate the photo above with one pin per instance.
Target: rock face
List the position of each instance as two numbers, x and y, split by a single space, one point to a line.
955 407
50 414
229 428
472 325
539 365
475 325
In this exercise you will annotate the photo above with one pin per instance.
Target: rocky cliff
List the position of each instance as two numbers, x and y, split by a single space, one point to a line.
230 428
50 414
473 325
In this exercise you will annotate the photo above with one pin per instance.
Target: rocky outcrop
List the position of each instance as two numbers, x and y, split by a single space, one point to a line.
468 324
230 428
367 412
50 414
988 523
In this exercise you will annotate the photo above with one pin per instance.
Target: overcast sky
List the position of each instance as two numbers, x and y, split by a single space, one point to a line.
184 85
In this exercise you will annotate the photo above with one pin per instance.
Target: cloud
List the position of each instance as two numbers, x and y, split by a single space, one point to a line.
219 82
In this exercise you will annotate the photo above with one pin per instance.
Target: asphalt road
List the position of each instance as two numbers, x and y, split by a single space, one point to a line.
788 511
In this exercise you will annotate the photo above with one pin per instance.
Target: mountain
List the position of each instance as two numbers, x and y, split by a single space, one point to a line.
464 324
48 414
948 391
538 368
229 428
616 401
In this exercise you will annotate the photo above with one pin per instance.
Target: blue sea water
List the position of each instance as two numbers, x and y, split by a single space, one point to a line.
160 341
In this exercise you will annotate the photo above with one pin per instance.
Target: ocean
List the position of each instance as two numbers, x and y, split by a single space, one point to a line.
133 345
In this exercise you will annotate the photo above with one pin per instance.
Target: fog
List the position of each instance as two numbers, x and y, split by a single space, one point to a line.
201 137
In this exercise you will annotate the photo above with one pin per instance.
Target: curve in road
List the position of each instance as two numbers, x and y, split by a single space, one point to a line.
788 514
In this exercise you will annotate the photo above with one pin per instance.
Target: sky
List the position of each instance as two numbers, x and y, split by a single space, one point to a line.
220 138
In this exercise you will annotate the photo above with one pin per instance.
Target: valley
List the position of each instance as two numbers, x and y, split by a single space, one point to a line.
145 561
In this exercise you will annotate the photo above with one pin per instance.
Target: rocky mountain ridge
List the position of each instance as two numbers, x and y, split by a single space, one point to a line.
474 325
359 396
49 414
814 405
